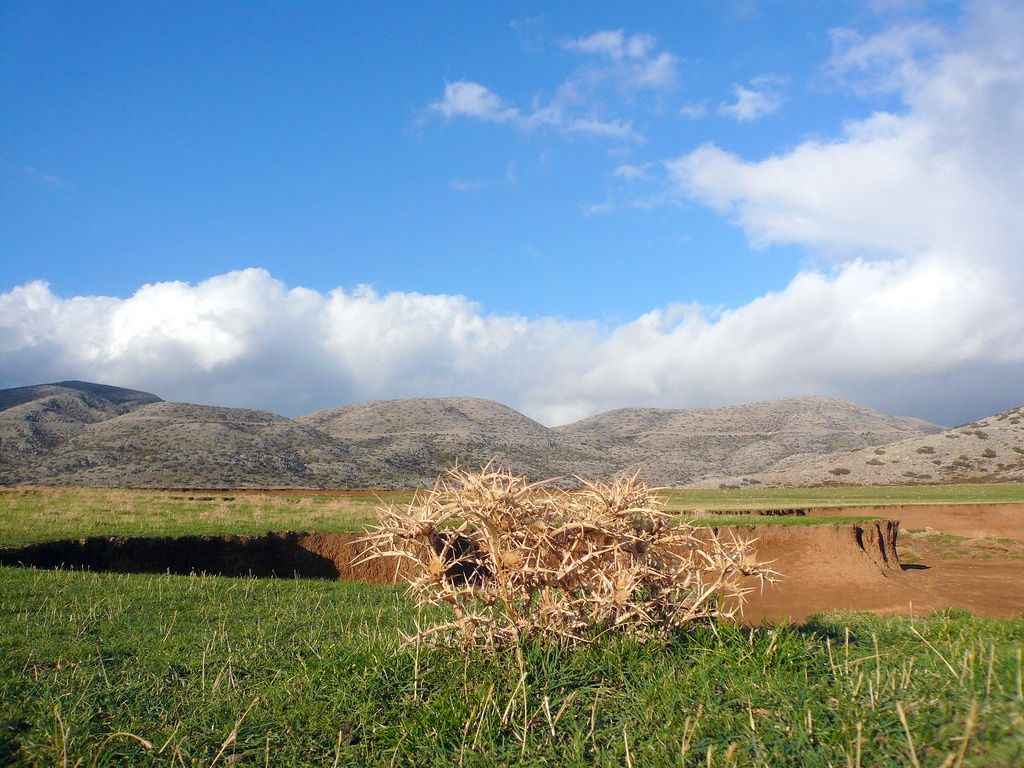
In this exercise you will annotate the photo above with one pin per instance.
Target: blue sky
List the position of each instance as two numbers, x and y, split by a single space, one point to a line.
571 182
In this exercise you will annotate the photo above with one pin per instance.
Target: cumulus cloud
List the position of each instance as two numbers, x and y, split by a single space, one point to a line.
245 338
762 97
931 193
941 176
634 64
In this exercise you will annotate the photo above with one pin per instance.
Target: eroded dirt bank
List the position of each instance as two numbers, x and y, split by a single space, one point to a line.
828 567
1003 521
285 555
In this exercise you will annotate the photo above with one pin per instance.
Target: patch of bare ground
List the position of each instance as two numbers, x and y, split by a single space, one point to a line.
953 556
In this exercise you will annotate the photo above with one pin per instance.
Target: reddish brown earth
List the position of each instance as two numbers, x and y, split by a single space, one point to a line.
848 566
1003 521
988 581
991 587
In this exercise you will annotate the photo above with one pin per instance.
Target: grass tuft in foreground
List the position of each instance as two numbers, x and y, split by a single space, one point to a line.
207 670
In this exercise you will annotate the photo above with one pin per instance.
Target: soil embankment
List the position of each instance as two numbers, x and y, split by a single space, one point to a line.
312 555
999 521
816 580
848 566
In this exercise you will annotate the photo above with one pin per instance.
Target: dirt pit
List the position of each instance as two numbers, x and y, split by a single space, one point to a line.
850 566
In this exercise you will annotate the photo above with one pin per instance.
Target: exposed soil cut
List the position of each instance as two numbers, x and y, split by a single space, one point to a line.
284 555
822 572
851 566
1003 521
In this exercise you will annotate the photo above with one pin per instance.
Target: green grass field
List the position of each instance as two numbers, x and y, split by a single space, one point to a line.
93 667
28 515
36 514
112 670
841 496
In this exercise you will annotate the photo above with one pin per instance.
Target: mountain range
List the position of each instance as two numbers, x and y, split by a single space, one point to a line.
79 433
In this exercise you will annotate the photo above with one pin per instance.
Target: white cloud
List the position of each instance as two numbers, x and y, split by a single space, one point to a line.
473 100
760 99
614 44
467 185
612 129
942 176
244 338
36 176
660 73
586 102
630 63
464 98
630 172
597 209
695 111
889 61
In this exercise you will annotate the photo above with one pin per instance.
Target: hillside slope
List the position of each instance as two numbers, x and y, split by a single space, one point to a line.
85 434
93 435
422 436
991 449
36 419
679 446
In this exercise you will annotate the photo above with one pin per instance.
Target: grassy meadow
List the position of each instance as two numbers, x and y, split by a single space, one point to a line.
30 514
101 669
40 514
682 499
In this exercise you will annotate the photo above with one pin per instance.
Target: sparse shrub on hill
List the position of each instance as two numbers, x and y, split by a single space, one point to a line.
516 561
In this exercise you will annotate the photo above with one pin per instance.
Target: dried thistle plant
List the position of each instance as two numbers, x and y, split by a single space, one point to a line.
516 560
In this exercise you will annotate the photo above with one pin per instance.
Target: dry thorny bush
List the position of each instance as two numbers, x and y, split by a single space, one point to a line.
516 561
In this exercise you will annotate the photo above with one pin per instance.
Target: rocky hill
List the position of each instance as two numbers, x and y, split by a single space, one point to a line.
37 419
424 435
78 434
991 449
680 446
88 434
